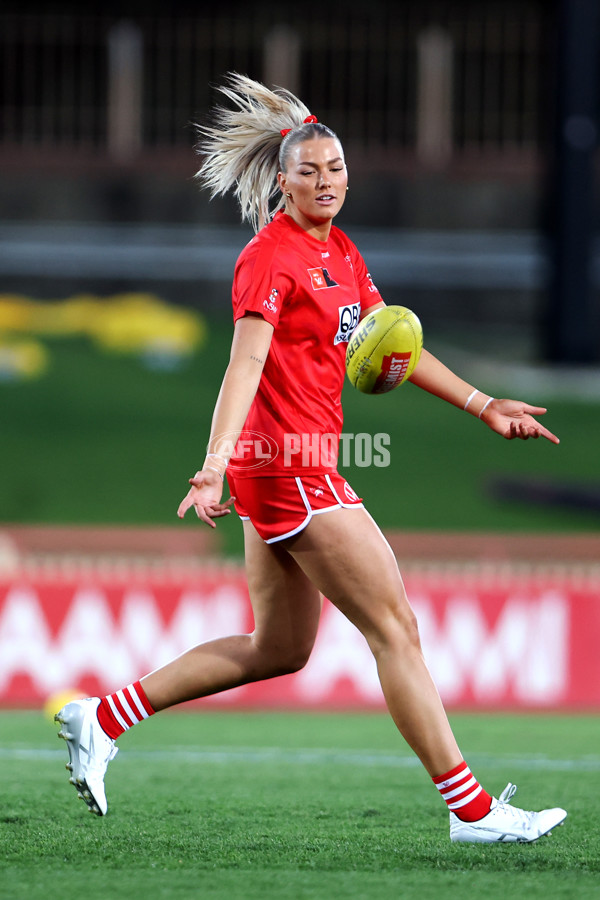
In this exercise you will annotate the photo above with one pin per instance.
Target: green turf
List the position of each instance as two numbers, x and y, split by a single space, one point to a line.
301 806
102 439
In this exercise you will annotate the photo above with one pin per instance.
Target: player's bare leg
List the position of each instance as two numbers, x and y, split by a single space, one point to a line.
346 556
286 610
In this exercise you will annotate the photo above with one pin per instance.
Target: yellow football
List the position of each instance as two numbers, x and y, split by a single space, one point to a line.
384 349
56 701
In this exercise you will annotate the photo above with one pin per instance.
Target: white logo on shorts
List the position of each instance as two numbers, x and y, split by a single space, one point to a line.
350 494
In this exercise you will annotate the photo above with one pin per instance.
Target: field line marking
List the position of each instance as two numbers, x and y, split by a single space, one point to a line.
311 756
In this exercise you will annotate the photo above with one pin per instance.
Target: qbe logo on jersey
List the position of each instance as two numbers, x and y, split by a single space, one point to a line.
349 316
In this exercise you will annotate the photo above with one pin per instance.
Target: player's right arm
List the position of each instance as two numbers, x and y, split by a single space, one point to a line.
250 346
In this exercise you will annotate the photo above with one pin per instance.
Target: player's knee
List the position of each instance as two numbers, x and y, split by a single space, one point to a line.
411 628
284 659
294 659
396 628
286 667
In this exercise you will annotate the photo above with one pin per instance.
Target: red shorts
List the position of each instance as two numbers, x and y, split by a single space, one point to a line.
281 506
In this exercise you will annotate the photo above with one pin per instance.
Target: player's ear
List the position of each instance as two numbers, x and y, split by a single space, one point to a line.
281 180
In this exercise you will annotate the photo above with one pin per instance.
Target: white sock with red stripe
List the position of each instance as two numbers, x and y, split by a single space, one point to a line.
119 711
463 793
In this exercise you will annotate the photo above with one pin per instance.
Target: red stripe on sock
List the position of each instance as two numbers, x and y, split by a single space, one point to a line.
133 706
142 695
123 712
456 786
107 721
457 798
477 808
459 768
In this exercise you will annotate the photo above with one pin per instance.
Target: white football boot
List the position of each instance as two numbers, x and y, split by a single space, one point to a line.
90 751
506 824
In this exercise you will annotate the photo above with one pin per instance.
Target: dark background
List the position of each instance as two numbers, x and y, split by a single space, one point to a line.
478 156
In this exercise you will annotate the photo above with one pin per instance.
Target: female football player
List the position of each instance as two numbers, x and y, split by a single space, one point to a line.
299 287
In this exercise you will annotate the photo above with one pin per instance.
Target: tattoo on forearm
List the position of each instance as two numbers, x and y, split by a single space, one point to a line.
256 359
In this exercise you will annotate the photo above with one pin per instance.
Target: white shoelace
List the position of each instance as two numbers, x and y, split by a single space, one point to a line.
508 793
504 799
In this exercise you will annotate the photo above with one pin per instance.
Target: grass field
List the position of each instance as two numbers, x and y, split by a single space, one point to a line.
101 439
299 806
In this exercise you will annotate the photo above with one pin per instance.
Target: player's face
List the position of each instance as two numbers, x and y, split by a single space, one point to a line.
315 183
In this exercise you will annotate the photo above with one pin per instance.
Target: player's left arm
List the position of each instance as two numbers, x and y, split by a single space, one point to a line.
509 418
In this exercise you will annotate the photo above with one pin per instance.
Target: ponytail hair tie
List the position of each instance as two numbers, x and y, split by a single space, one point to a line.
309 120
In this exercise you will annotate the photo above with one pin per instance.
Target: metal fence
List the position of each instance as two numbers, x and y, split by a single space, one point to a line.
431 82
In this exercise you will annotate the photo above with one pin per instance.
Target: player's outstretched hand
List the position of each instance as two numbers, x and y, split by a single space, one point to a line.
514 419
205 496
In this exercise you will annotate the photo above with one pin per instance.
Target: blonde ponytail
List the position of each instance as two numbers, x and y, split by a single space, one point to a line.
242 146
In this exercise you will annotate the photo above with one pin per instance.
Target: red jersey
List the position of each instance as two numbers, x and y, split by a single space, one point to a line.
312 292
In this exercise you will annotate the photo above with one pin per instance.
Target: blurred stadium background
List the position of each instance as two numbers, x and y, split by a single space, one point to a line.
471 132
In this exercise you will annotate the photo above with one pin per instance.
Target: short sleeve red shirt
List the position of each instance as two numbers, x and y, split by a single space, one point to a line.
312 292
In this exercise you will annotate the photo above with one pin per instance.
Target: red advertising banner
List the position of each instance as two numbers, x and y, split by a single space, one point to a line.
492 640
